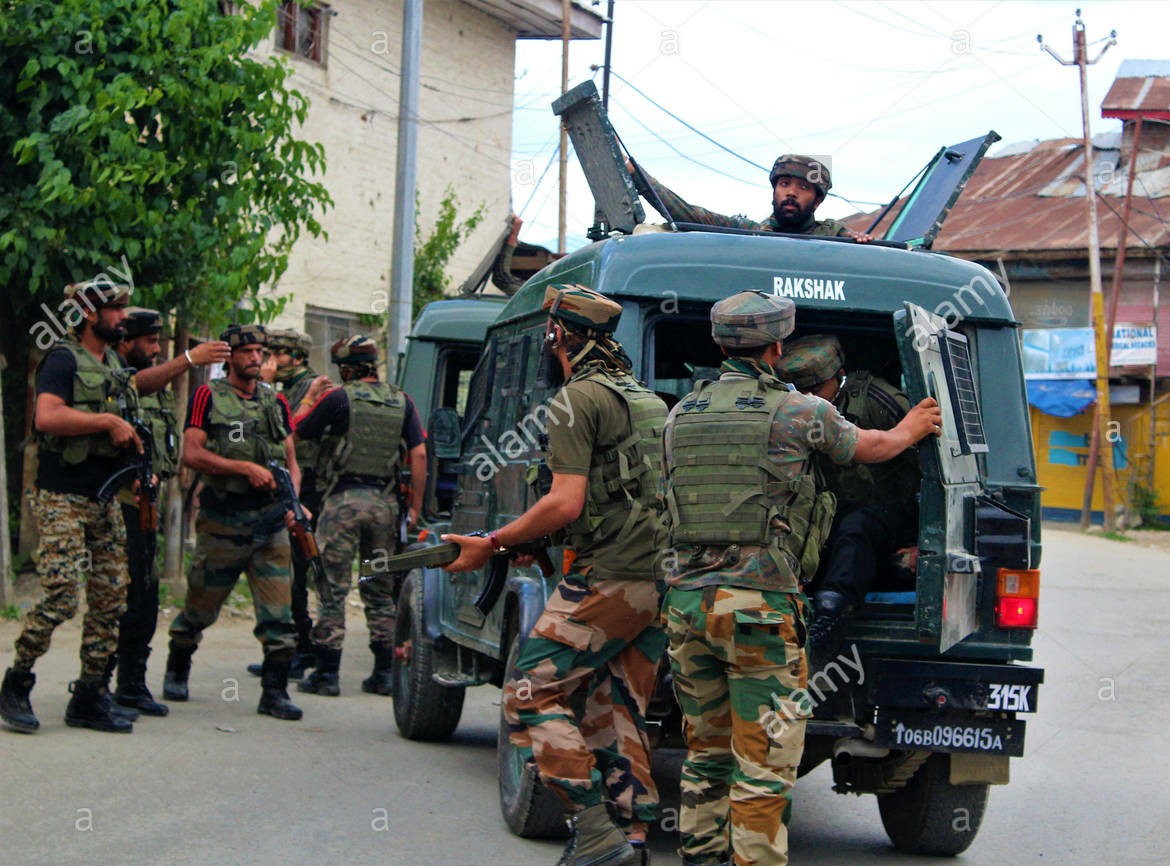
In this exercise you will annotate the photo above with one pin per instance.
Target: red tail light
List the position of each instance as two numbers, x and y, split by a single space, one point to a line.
1017 598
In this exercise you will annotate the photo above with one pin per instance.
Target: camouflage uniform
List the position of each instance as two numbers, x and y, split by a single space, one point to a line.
740 527
600 628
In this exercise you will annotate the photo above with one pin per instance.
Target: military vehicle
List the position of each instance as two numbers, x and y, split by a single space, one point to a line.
927 708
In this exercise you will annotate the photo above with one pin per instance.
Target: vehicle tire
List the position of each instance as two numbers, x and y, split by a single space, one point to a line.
530 809
930 815
423 709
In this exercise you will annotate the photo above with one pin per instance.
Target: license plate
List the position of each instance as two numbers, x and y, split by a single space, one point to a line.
950 734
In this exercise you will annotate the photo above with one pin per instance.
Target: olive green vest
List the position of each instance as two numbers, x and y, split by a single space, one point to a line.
239 429
294 392
158 411
98 386
377 414
623 502
725 487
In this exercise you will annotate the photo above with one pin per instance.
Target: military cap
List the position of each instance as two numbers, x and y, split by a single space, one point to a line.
237 336
290 339
810 360
751 319
582 309
99 293
140 322
354 350
815 171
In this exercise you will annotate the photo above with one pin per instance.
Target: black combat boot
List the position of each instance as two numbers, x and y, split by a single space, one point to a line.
324 680
302 663
132 690
178 669
15 708
91 707
381 681
274 697
827 632
128 713
595 840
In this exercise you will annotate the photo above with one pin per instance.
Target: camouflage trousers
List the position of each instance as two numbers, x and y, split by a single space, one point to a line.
254 542
603 636
80 541
738 658
362 521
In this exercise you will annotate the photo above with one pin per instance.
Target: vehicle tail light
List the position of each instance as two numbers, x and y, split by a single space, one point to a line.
1017 594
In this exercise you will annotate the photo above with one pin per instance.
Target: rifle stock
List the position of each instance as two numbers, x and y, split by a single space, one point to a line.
303 541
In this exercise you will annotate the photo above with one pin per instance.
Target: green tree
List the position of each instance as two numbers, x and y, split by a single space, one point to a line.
431 254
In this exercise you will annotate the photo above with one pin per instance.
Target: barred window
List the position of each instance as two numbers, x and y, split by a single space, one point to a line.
302 30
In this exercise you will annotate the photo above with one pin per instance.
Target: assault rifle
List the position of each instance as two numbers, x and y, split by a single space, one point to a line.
402 493
140 468
304 542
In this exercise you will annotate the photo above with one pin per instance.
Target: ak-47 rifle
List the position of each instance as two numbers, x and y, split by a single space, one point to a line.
140 468
301 533
402 493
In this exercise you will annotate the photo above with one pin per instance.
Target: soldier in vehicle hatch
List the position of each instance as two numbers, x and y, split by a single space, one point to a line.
799 185
600 626
877 506
745 519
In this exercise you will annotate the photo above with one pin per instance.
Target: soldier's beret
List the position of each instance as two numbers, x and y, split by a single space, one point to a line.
814 170
140 322
99 293
237 336
290 339
808 361
582 309
354 350
752 319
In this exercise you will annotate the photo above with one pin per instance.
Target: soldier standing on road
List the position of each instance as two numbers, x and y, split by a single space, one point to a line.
359 427
235 426
799 185
741 498
140 347
877 506
600 625
289 363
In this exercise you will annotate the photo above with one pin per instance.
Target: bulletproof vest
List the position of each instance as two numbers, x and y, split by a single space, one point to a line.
872 403
158 411
308 450
98 386
622 499
239 429
724 486
377 414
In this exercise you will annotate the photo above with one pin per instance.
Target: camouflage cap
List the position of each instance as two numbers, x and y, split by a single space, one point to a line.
808 361
290 339
582 309
237 336
815 171
140 322
97 294
751 319
354 350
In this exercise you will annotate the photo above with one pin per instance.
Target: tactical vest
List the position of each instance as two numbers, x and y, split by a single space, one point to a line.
377 414
724 486
158 411
872 404
98 386
622 499
238 429
308 451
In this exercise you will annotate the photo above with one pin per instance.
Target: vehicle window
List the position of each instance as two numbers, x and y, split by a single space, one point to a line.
681 352
479 391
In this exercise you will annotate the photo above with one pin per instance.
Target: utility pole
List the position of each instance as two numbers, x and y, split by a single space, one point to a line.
1101 428
562 220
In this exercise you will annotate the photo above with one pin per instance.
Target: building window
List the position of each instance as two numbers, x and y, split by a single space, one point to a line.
302 30
326 327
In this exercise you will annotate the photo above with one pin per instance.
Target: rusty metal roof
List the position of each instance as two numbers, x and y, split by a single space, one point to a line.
1142 88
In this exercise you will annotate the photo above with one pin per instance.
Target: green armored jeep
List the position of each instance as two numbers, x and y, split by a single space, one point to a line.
929 710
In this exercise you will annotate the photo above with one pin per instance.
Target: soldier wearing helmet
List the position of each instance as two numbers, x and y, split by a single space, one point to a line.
600 626
799 185
746 523
235 426
361 429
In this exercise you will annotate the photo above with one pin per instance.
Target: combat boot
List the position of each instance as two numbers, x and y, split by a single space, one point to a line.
302 663
827 631
178 669
381 681
595 840
15 708
91 707
132 689
274 699
128 713
324 680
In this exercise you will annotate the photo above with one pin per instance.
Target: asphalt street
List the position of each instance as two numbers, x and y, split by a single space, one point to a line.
215 783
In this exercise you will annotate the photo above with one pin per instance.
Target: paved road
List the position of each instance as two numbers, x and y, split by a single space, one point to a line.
216 784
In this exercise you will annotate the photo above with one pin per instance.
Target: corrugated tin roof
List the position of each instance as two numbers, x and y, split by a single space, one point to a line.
1142 87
